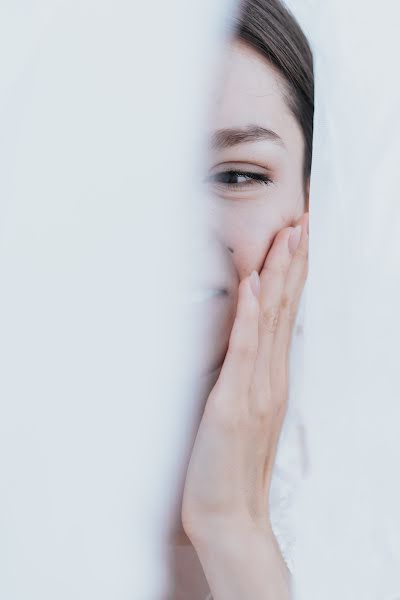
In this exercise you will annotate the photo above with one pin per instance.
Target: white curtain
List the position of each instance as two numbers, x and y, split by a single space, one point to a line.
347 517
101 103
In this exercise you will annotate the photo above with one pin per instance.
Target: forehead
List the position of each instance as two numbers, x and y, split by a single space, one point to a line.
251 91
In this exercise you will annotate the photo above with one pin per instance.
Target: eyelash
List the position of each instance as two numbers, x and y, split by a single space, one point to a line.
254 178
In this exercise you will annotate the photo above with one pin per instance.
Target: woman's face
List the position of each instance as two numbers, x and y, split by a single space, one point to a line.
254 183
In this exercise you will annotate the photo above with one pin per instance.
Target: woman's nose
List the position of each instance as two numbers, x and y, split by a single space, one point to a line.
215 268
210 247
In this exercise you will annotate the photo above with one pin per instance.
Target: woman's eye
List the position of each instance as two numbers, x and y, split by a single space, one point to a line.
238 179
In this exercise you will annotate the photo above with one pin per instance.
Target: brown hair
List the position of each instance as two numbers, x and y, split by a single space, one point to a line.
269 27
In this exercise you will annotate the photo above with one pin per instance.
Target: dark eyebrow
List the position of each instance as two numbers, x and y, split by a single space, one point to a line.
225 138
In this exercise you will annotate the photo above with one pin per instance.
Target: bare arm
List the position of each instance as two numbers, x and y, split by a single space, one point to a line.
226 494
242 563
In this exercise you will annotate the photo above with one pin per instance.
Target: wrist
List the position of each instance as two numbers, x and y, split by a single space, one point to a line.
243 561
226 533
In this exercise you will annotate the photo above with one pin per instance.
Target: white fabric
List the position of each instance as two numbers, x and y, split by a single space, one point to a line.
291 461
97 153
347 516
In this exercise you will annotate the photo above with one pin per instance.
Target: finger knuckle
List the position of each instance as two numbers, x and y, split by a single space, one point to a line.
268 410
242 348
263 411
301 253
246 352
288 309
270 318
286 301
260 407
273 268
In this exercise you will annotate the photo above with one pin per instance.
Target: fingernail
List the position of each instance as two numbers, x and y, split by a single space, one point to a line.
294 239
255 283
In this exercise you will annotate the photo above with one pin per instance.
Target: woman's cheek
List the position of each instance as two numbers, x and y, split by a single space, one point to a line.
213 320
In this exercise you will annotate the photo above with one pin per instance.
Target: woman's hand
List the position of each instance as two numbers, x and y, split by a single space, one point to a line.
226 493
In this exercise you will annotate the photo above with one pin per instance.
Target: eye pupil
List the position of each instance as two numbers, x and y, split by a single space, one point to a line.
230 177
239 180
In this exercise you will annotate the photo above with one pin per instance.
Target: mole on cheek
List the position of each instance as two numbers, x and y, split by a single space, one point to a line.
230 249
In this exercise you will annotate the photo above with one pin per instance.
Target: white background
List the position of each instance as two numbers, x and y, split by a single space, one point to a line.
348 518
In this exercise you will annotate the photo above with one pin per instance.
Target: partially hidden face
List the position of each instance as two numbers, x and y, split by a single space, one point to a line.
254 184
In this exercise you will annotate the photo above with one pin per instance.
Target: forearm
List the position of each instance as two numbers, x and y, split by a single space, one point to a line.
242 566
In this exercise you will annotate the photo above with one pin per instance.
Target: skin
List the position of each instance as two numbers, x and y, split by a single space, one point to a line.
225 498
246 217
